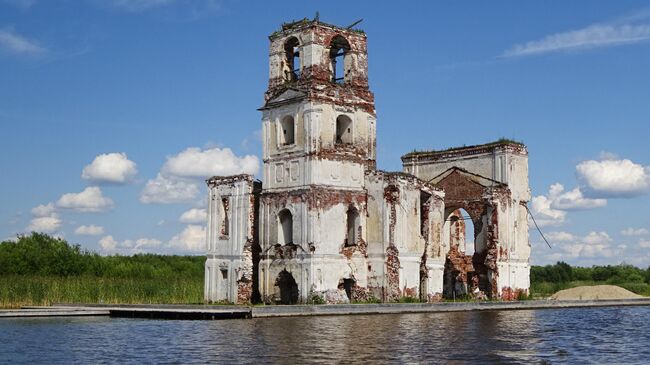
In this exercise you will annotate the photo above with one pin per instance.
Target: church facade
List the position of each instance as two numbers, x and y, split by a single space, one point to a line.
327 226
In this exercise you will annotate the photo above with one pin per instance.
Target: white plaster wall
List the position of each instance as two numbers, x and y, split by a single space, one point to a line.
321 269
293 166
227 252
500 165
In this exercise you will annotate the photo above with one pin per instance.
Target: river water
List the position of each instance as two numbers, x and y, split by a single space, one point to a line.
597 335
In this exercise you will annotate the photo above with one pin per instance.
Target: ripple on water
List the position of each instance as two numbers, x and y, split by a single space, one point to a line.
596 335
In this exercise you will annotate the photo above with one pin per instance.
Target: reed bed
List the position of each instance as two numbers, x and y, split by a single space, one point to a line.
19 290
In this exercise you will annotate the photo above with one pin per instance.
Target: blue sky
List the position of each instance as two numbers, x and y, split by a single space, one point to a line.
112 112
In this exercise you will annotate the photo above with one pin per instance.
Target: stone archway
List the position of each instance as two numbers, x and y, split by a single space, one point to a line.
465 271
288 288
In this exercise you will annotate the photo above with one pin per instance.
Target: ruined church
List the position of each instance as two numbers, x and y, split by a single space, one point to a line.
325 226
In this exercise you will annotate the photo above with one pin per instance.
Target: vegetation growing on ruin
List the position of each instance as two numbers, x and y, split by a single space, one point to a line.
40 270
500 141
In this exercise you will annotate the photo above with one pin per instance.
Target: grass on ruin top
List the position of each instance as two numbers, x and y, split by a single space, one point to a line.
500 141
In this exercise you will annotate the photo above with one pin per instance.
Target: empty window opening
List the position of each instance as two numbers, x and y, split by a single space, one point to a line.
424 214
225 222
292 52
285 227
343 130
352 219
461 231
224 274
348 284
338 52
287 130
288 288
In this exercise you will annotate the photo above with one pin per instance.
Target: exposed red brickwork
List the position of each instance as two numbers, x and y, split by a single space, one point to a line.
316 80
509 294
317 197
393 292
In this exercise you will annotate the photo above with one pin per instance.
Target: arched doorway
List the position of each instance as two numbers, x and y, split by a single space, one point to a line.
459 278
288 288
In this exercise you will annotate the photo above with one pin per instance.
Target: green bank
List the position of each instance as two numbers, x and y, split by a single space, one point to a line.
40 270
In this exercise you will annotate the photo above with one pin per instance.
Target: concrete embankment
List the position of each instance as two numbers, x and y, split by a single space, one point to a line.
395 308
207 312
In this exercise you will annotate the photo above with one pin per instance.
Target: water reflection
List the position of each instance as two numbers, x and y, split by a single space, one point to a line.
615 335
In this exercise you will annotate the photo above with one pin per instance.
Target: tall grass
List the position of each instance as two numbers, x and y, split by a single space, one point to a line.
41 270
21 290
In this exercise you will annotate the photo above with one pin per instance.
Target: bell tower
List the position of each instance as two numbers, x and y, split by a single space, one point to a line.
319 139
319 115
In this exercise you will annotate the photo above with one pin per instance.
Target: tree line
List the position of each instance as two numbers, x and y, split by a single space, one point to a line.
561 272
39 254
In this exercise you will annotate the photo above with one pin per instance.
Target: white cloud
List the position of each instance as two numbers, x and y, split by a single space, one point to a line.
544 214
560 236
147 243
597 238
90 230
45 220
635 232
177 183
572 200
594 36
614 178
192 238
643 243
194 216
43 210
108 243
593 245
89 200
18 44
128 247
165 190
194 162
110 168
44 224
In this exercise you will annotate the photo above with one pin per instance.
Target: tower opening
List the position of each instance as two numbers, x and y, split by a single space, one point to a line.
343 130
352 222
225 222
292 54
339 48
285 227
287 127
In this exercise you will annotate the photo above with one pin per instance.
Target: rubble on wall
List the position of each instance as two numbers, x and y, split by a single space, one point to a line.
316 197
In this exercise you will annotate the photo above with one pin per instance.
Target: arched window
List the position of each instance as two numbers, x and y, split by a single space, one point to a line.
287 130
225 219
339 48
352 220
292 54
343 130
285 227
461 231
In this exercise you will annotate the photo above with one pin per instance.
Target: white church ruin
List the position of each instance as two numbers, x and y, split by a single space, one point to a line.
327 226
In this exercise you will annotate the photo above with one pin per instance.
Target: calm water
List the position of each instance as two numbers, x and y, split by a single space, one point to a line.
602 335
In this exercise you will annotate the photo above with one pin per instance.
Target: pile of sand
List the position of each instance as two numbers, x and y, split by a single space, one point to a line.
595 293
